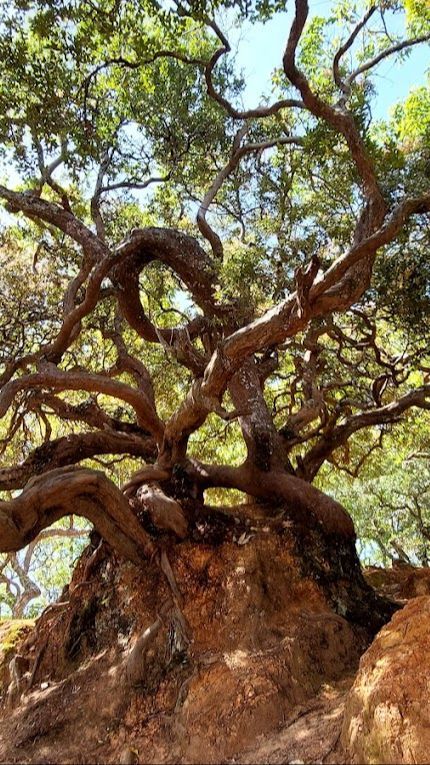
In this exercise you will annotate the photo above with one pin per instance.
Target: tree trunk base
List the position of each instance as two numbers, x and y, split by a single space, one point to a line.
332 563
273 609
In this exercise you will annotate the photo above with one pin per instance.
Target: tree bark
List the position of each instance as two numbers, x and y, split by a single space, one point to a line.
73 491
301 500
263 442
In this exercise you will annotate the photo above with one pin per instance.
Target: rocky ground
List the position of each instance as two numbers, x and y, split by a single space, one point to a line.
255 667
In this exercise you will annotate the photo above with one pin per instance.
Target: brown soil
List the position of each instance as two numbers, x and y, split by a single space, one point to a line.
387 718
263 679
401 582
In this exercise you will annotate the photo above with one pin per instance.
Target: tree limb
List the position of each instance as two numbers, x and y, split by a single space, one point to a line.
73 491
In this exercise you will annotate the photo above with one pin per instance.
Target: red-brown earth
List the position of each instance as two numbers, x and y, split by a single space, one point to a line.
255 666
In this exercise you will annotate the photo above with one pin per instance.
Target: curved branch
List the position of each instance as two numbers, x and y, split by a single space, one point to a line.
177 250
127 64
282 321
87 411
49 376
301 499
345 85
238 114
384 54
325 446
363 249
96 252
34 207
237 153
72 449
340 120
346 45
184 255
73 491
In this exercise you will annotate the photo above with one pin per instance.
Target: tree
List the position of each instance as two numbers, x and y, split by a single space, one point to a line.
123 128
42 570
391 511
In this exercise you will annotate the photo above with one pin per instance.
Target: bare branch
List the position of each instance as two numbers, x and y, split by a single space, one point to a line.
72 449
49 376
47 170
341 121
95 200
420 397
237 153
34 207
345 47
384 54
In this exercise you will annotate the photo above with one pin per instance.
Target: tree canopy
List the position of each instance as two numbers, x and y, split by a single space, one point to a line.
196 294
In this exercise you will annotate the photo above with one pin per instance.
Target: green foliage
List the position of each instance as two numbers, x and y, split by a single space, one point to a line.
417 16
413 119
85 82
390 499
46 565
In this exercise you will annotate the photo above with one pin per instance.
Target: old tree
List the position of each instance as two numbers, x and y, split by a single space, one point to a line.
197 295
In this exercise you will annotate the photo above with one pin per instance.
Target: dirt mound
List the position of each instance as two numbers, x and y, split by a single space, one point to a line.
311 733
387 717
261 637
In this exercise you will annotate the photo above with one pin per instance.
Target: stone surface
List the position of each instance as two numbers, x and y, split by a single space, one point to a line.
387 714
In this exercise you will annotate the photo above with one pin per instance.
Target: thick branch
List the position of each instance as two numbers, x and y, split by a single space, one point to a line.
321 293
183 254
328 293
51 377
300 498
72 449
34 207
177 250
73 491
265 448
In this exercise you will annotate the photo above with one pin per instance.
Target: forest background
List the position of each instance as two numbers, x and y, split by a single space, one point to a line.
381 474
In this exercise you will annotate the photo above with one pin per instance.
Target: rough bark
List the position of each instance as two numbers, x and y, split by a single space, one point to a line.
301 500
73 491
71 449
264 444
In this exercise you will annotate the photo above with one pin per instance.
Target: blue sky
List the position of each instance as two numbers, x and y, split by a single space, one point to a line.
260 47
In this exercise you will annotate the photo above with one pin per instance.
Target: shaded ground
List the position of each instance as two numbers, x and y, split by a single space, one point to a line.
263 678
311 734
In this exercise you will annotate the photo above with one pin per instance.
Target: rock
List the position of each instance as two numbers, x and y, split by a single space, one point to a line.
12 633
387 715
